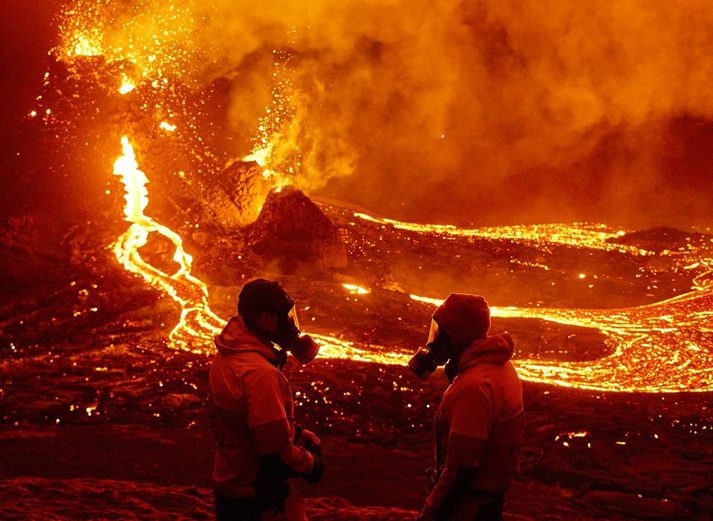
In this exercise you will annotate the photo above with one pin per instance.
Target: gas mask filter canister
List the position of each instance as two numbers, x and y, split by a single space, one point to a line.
289 337
437 352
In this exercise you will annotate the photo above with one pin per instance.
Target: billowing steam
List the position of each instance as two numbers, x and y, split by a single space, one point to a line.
459 111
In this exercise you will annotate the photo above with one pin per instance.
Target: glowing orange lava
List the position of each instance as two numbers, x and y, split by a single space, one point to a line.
190 293
578 235
662 347
127 85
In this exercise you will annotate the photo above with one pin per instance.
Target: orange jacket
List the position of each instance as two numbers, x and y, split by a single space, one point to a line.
478 427
253 411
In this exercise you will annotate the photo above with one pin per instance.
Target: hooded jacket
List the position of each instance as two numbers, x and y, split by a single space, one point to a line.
478 427
252 410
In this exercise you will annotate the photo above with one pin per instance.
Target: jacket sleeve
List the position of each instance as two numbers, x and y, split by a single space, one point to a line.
268 422
471 418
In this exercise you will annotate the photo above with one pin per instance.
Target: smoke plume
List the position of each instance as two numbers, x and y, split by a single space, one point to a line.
469 111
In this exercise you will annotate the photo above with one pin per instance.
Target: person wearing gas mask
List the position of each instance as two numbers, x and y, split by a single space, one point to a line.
478 426
259 447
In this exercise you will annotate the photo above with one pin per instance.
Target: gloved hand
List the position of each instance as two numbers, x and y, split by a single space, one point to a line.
309 441
315 474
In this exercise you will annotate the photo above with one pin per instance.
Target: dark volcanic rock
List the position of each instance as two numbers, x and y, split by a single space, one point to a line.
290 226
79 498
634 505
246 189
662 238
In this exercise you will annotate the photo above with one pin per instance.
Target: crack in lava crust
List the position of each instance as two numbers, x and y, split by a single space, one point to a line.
661 347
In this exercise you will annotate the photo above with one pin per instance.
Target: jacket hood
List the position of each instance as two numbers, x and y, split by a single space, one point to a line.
496 349
463 316
237 338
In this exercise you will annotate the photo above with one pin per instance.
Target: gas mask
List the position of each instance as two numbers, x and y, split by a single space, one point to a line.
437 352
288 337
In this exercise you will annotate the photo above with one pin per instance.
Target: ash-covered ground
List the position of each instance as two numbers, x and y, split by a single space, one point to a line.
102 419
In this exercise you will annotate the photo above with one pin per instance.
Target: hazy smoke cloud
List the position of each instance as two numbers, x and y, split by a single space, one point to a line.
480 111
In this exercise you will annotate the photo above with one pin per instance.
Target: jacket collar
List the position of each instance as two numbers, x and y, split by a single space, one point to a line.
237 338
496 349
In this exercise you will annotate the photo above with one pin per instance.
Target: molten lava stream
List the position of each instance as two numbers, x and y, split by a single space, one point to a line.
197 319
661 347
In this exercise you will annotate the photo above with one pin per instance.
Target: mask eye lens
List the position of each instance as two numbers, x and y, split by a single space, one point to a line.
292 316
433 332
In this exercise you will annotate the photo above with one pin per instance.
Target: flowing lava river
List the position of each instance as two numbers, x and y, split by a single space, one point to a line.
656 348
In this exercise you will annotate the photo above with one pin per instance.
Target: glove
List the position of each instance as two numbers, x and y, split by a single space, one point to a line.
315 474
309 441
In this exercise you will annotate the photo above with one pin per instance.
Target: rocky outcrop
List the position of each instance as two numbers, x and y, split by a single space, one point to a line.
245 189
291 227
663 238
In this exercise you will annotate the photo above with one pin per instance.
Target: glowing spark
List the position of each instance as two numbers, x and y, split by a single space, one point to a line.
84 46
127 85
167 126
356 290
260 155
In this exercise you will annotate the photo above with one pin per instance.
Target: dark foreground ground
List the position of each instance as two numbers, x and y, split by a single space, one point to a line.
146 471
115 430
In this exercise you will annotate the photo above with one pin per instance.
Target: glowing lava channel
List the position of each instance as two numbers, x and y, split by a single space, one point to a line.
666 346
189 292
661 347
578 235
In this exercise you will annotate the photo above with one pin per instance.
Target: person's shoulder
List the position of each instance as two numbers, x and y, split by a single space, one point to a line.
473 376
257 368
511 371
245 363
474 384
